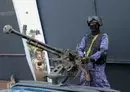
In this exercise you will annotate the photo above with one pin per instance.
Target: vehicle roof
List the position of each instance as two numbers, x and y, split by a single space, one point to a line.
65 88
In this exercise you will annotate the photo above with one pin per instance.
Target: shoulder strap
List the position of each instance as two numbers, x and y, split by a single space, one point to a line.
91 45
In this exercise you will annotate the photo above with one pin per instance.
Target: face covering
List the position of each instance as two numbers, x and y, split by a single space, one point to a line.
94 26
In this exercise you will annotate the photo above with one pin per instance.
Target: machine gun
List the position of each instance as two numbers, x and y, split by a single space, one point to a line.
68 61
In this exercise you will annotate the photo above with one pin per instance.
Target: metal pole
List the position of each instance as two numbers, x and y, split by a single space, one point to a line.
95 7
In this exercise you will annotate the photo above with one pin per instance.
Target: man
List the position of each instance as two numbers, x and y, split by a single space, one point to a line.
39 65
93 48
39 60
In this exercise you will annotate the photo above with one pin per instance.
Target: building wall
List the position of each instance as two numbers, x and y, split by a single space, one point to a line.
12 54
119 76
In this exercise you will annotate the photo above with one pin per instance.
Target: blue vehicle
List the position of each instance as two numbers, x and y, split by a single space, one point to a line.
37 86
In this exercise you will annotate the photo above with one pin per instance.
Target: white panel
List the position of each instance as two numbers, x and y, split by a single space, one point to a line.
27 14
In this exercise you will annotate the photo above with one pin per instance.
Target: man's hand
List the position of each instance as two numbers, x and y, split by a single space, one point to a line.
85 59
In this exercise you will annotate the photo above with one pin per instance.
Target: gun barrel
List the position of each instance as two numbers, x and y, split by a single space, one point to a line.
8 29
42 47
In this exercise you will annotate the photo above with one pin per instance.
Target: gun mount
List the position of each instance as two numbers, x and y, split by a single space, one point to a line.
68 65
